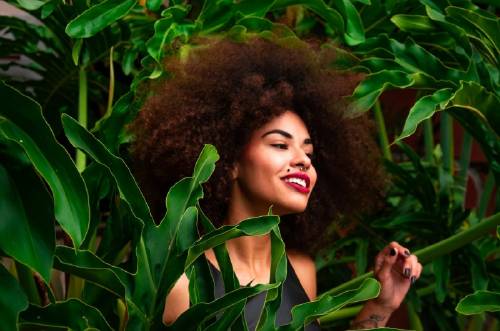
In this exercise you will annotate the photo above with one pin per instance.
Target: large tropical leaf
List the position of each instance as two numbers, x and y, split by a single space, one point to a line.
31 131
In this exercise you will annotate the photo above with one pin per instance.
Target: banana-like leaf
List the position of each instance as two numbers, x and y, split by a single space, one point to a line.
97 17
88 266
73 314
31 131
27 231
304 313
12 301
479 302
129 191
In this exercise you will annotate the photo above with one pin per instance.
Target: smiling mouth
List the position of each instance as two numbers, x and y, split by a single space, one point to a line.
297 184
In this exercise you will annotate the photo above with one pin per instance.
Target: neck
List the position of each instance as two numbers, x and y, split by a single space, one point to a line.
252 252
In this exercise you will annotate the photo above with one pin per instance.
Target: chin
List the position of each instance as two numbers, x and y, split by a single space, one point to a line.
287 210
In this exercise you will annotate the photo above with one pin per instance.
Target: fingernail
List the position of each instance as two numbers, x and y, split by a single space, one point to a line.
406 272
393 252
413 280
407 253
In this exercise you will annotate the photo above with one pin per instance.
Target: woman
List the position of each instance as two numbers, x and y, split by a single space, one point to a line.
275 114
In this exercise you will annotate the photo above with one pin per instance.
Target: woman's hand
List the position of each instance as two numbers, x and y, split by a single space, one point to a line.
396 269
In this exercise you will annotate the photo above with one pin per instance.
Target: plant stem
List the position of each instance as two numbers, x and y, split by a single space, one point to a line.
382 132
447 142
428 140
434 251
486 195
348 312
464 166
27 282
111 89
82 116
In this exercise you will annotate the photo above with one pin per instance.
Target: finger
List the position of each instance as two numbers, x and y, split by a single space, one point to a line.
379 262
409 266
403 251
418 270
389 261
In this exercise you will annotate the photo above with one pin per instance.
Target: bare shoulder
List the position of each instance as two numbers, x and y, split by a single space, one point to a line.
177 300
305 269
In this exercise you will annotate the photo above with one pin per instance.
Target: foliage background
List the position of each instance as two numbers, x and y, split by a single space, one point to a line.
79 246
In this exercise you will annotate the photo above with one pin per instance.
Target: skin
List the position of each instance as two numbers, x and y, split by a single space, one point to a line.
279 148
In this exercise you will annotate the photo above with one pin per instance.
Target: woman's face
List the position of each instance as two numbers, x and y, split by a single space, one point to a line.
275 167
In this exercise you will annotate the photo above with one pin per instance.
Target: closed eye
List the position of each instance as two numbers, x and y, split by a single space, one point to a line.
280 146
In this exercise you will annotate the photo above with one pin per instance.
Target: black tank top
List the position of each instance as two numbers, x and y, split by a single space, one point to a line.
293 294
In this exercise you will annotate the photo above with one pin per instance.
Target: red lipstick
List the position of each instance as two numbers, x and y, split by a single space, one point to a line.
296 186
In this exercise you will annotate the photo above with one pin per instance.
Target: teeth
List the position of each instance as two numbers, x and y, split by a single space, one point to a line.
299 181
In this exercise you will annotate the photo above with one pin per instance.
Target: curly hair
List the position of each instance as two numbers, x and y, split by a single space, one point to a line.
224 91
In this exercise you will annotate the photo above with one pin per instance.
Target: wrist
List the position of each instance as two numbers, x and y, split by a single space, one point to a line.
379 308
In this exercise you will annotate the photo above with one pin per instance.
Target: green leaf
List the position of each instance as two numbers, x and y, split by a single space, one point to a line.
481 26
478 271
31 4
153 4
110 129
27 216
278 275
423 109
98 17
367 92
441 268
86 265
332 17
203 311
256 226
304 313
73 314
479 302
75 52
31 131
413 23
167 29
12 301
483 103
182 195
129 191
354 30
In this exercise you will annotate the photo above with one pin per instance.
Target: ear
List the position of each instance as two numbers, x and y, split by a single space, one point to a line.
235 171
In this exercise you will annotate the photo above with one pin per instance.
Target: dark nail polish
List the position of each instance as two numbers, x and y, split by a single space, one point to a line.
393 252
407 272
413 280
407 253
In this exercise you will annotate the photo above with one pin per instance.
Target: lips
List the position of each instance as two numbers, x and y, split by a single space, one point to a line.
296 186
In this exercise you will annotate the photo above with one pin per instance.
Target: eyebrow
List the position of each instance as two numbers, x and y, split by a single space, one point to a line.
307 141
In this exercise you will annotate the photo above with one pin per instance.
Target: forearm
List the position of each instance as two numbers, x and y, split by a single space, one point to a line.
371 316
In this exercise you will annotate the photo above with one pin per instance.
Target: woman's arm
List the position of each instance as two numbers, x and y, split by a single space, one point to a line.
396 269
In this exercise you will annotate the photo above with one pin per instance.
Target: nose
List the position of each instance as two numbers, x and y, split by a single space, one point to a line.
301 160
